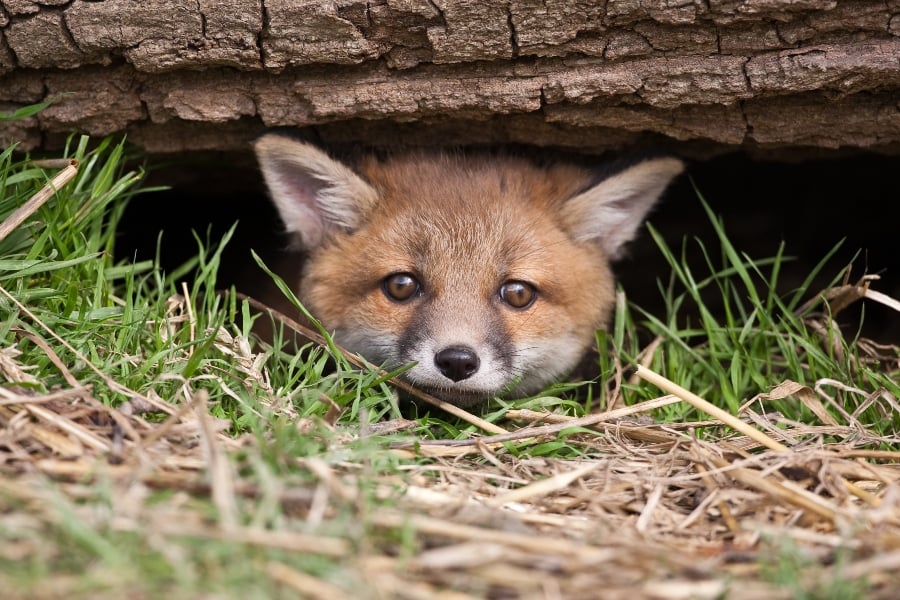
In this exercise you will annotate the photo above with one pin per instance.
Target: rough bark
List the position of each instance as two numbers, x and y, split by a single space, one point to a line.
707 75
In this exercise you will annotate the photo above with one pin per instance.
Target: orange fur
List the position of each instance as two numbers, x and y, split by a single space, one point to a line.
463 227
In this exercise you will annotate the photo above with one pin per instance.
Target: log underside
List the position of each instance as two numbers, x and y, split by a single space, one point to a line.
698 77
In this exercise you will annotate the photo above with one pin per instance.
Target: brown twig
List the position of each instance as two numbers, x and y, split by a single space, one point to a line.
710 409
38 199
555 428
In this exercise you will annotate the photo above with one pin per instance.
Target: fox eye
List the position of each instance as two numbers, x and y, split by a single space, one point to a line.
518 294
400 287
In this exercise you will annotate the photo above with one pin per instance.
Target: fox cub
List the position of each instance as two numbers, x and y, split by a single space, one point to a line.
490 274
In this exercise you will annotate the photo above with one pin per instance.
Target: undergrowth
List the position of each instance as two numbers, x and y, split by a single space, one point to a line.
162 345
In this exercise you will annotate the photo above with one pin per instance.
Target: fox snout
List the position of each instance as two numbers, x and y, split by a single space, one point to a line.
457 362
463 360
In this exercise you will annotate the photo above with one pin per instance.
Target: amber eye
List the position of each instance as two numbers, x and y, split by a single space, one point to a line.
400 287
518 294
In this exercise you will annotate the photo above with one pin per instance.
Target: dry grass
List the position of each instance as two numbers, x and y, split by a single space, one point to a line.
645 510
156 497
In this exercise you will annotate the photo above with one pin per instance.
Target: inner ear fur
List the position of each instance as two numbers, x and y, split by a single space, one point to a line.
610 212
314 193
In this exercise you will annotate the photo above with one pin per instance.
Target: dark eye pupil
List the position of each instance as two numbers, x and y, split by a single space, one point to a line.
400 287
518 294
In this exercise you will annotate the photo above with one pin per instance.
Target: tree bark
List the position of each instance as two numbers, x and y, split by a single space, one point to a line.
701 75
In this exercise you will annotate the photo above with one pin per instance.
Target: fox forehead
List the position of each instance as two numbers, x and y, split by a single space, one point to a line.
465 225
469 183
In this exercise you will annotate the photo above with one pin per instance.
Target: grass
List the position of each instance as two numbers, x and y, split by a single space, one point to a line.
147 449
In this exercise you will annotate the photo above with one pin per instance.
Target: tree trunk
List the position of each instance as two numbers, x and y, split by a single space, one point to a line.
700 75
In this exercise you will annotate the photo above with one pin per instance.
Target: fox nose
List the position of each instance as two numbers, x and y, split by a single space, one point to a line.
457 362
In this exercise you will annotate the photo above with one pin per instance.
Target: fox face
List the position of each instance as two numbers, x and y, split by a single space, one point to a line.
490 274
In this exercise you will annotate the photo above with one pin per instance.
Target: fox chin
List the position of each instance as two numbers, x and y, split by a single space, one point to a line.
491 274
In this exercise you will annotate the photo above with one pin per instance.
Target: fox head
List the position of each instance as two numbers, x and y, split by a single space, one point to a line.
491 274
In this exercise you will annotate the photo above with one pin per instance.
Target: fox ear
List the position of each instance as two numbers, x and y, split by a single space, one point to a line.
314 193
611 212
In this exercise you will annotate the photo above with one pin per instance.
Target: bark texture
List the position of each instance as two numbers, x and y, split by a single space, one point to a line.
706 75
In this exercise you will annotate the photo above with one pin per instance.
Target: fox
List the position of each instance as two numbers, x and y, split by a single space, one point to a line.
490 274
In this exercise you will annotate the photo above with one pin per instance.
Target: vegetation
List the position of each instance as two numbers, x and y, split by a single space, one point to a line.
148 447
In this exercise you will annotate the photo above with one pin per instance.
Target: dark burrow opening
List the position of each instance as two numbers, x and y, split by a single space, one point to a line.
809 205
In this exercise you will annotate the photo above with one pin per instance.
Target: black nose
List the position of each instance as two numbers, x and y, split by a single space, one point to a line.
457 362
